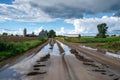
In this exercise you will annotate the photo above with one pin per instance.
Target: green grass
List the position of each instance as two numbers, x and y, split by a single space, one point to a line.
110 43
110 46
92 40
8 49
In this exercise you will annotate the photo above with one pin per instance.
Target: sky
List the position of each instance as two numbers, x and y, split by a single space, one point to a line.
63 16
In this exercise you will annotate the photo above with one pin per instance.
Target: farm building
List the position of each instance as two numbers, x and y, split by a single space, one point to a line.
24 32
43 34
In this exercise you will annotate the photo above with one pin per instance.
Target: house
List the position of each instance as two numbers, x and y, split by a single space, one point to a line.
43 34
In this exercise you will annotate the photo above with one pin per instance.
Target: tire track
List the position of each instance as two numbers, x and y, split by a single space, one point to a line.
67 74
68 70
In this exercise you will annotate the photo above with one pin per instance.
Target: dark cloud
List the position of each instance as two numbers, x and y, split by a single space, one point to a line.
63 12
75 9
117 14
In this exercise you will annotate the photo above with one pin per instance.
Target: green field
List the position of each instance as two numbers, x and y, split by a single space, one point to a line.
92 40
8 49
110 43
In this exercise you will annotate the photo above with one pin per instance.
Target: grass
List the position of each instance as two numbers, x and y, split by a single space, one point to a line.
110 43
8 49
110 46
92 40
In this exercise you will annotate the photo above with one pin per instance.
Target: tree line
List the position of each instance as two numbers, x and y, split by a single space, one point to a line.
50 34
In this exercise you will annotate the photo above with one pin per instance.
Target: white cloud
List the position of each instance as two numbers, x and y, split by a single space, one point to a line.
23 12
88 26
64 31
37 31
14 32
20 31
61 31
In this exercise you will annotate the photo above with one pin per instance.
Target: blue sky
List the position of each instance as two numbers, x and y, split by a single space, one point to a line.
62 16
6 1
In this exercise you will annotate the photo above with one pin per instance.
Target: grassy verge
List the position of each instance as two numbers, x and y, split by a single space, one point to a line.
110 43
110 46
91 40
8 49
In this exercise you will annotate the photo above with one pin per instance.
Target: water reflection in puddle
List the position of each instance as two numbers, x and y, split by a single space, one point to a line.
66 49
93 49
9 74
55 50
112 55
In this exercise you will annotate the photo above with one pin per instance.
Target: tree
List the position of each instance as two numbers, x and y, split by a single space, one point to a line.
102 29
79 36
11 35
17 35
51 34
4 34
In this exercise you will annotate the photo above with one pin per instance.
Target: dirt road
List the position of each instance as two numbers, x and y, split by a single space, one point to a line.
57 61
64 64
98 56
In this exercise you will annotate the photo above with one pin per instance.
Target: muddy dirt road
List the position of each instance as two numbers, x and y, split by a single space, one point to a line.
57 61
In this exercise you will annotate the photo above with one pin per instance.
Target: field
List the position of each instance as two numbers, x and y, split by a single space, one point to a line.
92 40
11 46
16 39
110 43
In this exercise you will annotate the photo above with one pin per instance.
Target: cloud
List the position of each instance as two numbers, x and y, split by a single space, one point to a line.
14 32
117 14
20 31
22 12
37 31
74 8
64 12
88 26
61 31
64 31
49 10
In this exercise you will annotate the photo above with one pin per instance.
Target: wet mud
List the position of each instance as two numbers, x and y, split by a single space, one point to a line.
35 73
80 57
40 63
96 67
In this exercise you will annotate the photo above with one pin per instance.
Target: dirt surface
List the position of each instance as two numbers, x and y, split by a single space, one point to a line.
70 64
100 57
